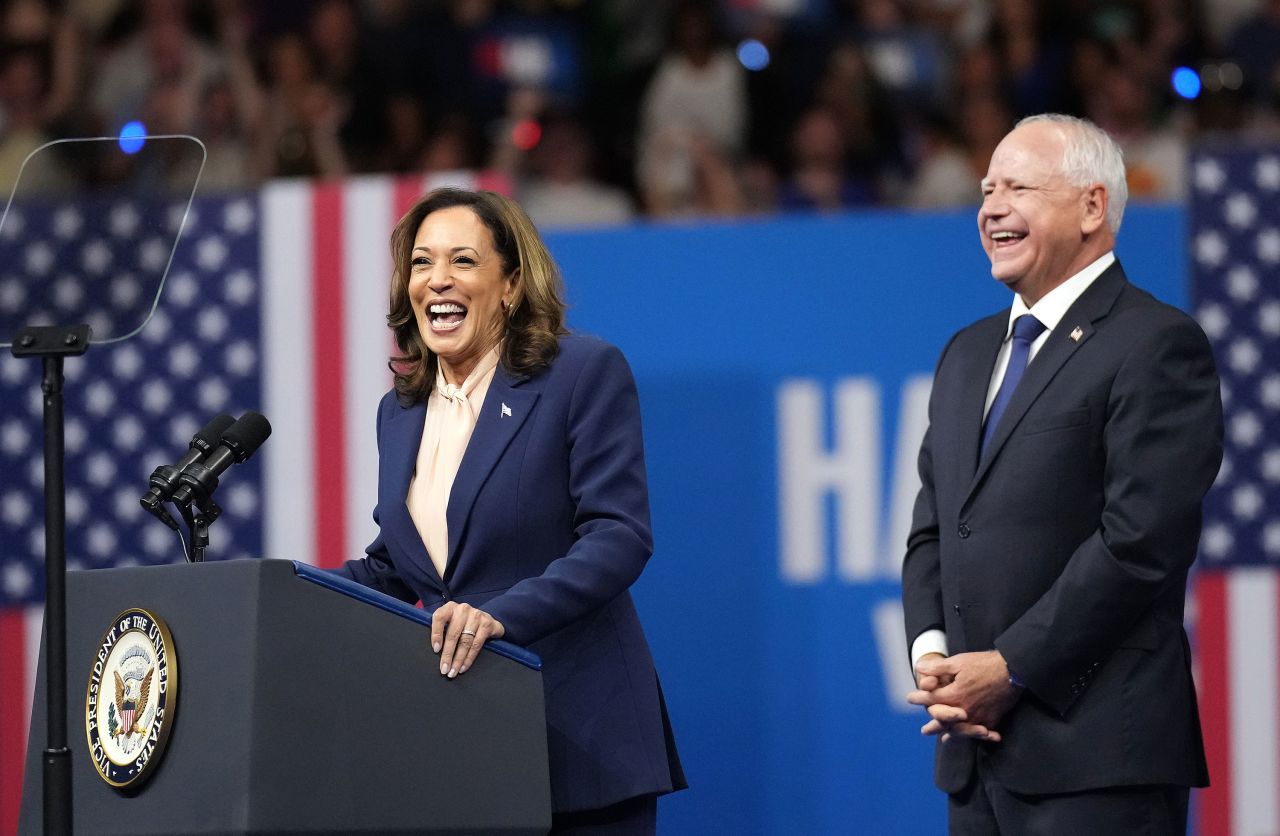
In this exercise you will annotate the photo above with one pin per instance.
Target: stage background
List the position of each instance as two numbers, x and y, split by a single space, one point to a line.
783 369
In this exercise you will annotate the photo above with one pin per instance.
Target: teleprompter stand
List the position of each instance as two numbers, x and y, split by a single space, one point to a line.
52 344
95 189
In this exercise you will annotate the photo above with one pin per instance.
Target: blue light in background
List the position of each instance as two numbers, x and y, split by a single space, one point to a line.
1186 82
753 55
132 137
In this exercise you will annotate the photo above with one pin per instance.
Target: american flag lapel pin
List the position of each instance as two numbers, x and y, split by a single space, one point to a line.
1076 334
506 411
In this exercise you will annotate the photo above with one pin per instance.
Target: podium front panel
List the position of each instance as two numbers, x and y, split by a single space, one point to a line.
300 710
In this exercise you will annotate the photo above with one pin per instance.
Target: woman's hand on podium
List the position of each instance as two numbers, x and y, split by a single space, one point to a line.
458 631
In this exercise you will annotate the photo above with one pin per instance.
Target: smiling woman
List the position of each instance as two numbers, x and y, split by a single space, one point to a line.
458 288
471 272
513 501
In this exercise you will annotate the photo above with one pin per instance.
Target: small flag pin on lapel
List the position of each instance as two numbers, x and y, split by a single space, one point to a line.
1077 334
506 411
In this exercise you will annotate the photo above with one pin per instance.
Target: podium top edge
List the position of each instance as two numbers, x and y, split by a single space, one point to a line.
328 579
395 606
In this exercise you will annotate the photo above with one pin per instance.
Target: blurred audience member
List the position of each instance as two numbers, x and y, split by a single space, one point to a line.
963 22
229 146
1089 61
690 177
818 177
517 131
1173 35
163 53
1223 17
23 87
1155 154
299 136
623 41
1032 53
953 166
979 71
692 121
760 187
451 146
231 110
562 191
908 60
404 136
1255 45
334 37
55 42
869 125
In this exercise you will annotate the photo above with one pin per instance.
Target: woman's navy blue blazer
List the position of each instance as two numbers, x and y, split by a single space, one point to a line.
548 528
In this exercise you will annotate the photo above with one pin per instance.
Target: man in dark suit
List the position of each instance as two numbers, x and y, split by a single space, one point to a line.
1071 441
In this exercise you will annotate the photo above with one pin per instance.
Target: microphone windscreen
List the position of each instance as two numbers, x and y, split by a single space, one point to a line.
245 436
211 434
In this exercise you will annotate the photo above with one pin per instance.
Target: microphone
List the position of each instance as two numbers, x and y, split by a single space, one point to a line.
164 479
198 480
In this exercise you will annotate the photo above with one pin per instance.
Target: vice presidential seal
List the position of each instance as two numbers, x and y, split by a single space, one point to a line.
130 701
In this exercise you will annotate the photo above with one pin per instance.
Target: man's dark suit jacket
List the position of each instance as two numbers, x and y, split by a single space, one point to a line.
548 527
1066 545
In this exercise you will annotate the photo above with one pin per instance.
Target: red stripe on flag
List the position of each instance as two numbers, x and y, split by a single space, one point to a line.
14 694
494 181
328 374
407 192
1213 657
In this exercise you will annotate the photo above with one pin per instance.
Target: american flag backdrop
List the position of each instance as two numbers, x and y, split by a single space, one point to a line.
275 301
1235 243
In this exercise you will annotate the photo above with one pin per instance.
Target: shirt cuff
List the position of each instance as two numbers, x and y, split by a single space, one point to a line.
930 641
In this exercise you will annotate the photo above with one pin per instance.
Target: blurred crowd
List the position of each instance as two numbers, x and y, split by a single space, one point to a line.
599 111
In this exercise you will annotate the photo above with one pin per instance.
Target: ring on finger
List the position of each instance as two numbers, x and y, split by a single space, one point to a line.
468 632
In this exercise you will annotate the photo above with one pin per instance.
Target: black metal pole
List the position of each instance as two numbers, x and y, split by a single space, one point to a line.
52 343
57 758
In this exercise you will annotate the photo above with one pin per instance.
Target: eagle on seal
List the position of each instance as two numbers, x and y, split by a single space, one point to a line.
130 706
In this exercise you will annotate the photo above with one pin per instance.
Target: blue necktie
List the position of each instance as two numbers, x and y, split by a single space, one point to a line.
1025 330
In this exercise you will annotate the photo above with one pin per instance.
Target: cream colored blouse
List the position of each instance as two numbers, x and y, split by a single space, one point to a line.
452 412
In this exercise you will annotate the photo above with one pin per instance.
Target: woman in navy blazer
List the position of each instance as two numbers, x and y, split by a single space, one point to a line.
548 515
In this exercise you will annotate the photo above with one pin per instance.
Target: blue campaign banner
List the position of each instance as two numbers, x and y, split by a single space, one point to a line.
784 368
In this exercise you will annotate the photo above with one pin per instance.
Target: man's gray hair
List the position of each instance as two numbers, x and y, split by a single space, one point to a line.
1091 156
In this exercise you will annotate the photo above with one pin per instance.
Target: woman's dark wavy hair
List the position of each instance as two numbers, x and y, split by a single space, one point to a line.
535 317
